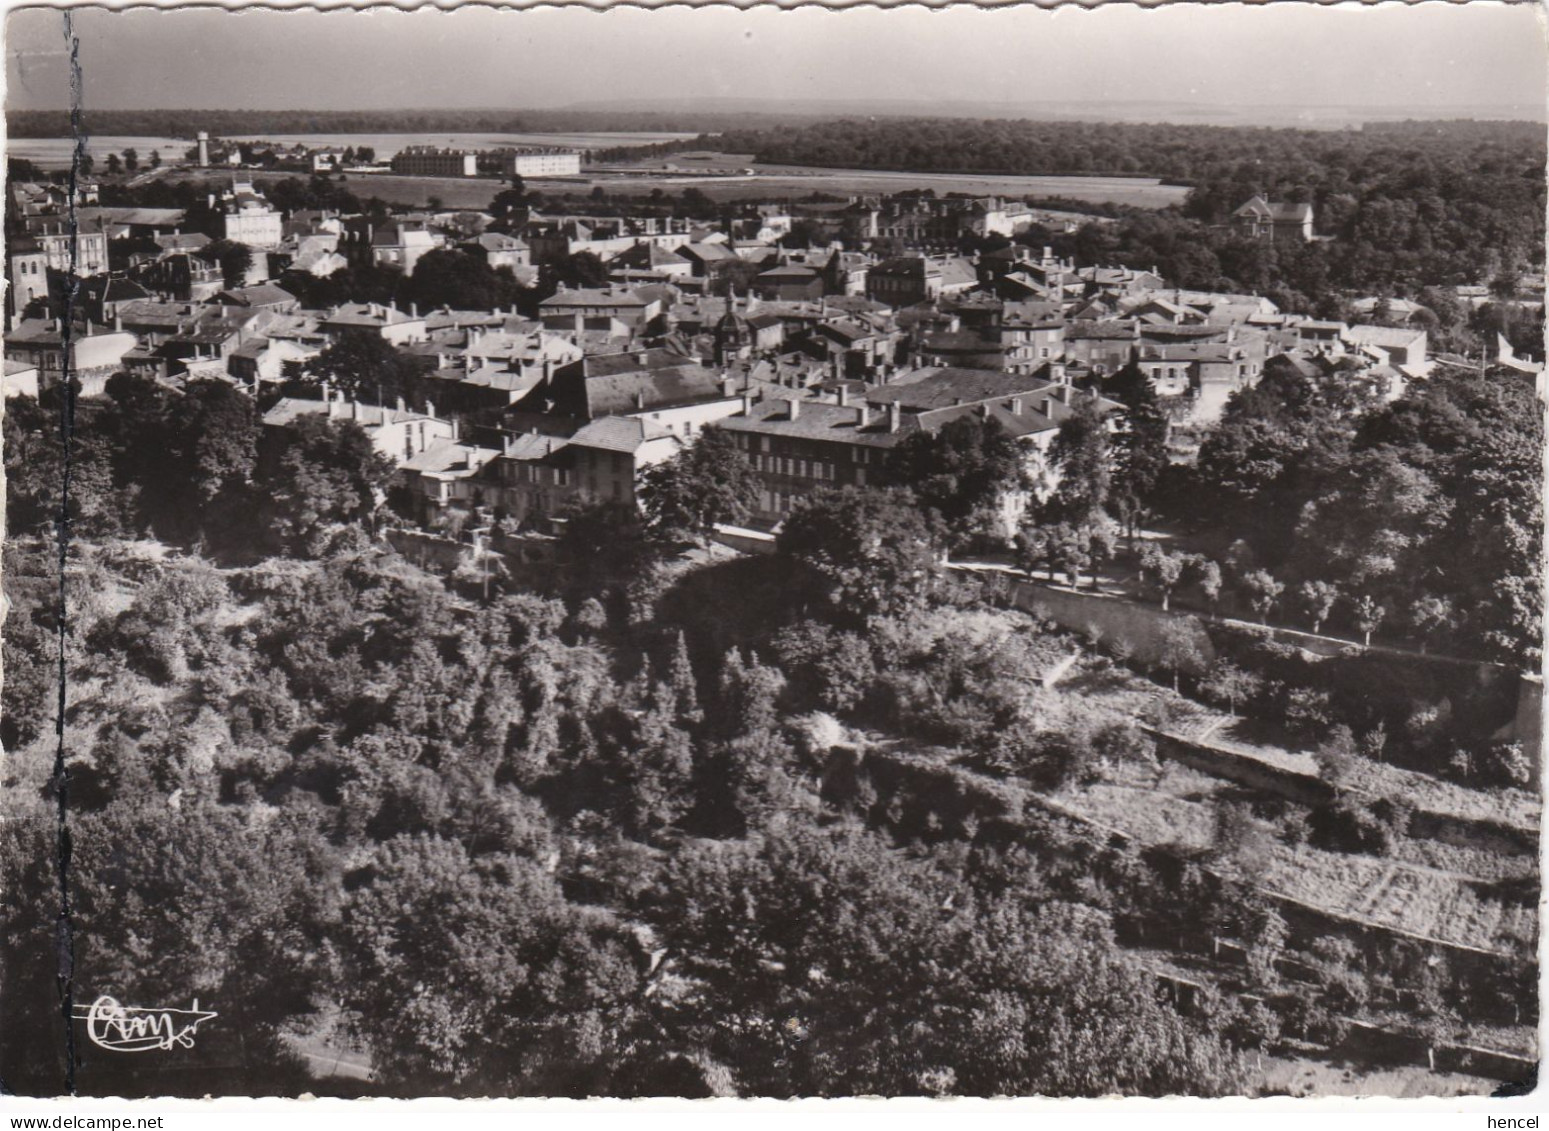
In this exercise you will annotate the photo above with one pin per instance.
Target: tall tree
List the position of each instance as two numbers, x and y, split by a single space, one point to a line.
706 483
1082 452
965 470
1140 445
327 473
363 366
861 553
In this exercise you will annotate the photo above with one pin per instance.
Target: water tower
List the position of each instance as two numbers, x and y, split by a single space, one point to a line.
204 149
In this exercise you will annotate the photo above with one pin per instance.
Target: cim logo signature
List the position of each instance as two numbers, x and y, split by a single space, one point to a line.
132 1029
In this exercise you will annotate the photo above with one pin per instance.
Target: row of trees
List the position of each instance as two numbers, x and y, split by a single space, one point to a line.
129 162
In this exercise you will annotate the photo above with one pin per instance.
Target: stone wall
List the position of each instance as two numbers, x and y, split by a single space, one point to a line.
1117 618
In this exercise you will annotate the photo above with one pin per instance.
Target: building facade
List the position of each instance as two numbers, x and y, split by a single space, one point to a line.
428 161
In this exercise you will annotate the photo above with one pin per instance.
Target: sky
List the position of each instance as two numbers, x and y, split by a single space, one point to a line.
1423 56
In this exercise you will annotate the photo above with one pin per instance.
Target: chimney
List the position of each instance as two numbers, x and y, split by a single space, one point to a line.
1064 394
118 322
640 399
548 369
414 310
508 442
794 403
844 395
747 403
1015 406
862 416
728 386
895 416
401 407
1047 407
354 409
430 408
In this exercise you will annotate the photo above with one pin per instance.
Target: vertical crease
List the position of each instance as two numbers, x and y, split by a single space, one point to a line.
65 939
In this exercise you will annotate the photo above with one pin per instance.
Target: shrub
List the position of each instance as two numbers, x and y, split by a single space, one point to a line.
1306 711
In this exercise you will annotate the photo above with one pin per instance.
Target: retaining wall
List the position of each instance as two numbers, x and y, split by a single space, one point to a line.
1143 626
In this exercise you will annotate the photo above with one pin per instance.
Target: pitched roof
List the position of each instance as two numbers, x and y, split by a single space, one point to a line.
1262 209
789 274
708 252
592 296
631 361
261 294
921 390
289 409
622 393
1386 336
496 241
617 434
183 241
121 290
957 270
818 421
450 459
365 314
647 256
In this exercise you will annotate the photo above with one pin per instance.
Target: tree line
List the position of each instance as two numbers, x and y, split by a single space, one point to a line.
185 123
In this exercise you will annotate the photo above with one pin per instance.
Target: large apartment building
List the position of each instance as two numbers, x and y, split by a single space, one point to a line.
538 161
428 161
